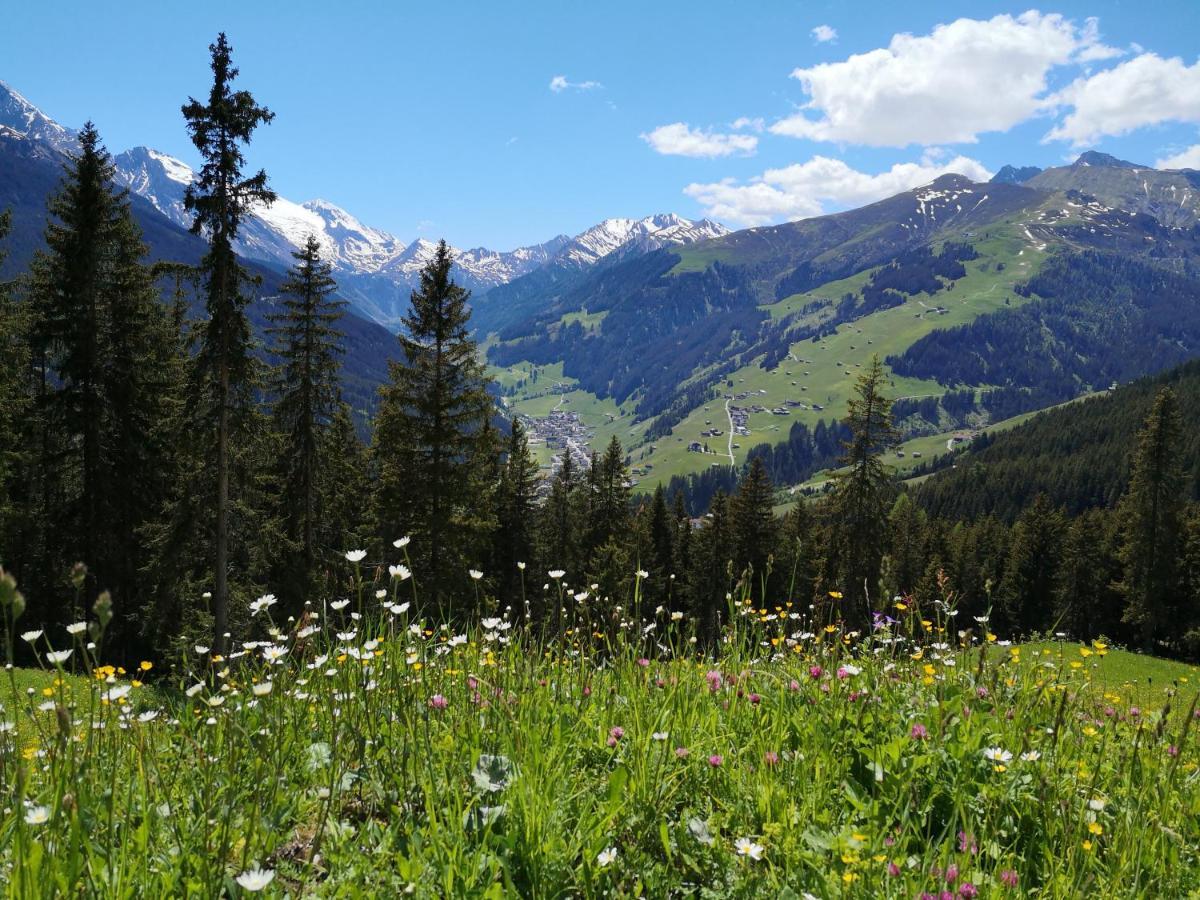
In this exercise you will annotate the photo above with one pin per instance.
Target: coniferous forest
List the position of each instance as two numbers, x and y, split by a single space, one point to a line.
184 465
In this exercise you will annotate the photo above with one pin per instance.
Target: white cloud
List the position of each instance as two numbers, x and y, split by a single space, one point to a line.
1145 90
1188 159
559 83
745 122
823 34
680 139
809 189
1095 50
962 79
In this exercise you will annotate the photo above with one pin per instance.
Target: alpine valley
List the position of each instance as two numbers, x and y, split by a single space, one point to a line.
702 348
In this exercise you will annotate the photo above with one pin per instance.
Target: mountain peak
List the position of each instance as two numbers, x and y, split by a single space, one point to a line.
649 233
951 180
1096 158
174 169
24 118
1015 174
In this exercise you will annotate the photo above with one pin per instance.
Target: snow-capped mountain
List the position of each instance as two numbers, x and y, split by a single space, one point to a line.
384 269
485 268
272 232
24 118
637 235
376 268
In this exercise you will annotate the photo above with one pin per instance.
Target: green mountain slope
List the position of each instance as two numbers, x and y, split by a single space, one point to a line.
711 349
1077 455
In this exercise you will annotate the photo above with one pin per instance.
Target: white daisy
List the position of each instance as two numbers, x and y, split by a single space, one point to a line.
747 847
255 879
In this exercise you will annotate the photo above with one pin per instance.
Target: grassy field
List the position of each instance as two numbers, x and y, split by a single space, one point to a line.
825 372
822 373
553 390
1119 676
387 756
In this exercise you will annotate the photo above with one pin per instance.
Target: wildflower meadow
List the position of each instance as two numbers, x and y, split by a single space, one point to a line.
363 749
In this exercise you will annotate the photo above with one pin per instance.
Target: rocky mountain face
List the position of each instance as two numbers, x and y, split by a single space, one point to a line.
1170 196
1015 174
24 118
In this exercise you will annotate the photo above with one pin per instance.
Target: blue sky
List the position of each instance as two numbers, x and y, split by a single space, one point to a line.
444 119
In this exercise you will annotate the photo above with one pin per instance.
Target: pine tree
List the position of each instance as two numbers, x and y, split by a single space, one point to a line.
562 521
516 513
863 493
14 403
342 484
799 555
225 373
710 576
1151 515
661 542
431 438
307 392
680 597
609 563
1087 606
755 530
1027 590
906 559
1189 577
108 377
608 482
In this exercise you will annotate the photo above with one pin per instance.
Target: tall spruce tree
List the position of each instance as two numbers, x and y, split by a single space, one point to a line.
906 557
1027 589
661 548
225 373
516 514
611 555
863 492
799 556
307 392
562 520
432 438
14 403
710 575
108 376
1087 603
755 531
1151 515
608 482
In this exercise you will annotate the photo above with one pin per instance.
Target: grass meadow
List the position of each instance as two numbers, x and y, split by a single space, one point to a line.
584 747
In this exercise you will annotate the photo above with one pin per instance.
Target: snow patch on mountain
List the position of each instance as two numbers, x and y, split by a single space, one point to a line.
642 235
384 262
23 117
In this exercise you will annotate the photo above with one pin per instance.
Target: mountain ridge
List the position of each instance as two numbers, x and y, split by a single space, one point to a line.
380 268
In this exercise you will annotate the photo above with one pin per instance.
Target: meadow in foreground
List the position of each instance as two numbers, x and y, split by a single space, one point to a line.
363 751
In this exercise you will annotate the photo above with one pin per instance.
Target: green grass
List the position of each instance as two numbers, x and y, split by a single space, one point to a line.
985 288
1124 677
37 680
589 321
809 755
833 364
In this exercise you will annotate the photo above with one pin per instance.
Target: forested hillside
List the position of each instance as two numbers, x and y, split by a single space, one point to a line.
1094 318
1077 456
